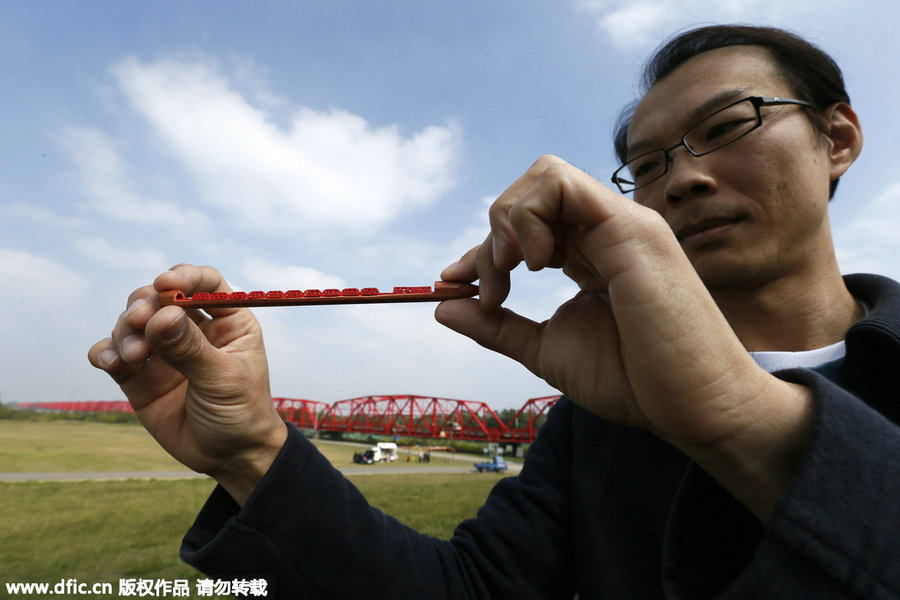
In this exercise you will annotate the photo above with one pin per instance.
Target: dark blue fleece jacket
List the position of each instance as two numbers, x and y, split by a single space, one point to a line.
604 511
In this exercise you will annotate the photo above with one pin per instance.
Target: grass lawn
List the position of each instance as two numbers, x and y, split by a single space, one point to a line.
101 531
48 446
96 531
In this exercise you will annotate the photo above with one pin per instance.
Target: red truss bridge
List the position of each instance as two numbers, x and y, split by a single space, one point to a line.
418 416
402 416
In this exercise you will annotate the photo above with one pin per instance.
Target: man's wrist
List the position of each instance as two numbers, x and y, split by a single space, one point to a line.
241 474
758 464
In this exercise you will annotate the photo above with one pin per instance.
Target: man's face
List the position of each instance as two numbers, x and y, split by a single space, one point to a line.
755 210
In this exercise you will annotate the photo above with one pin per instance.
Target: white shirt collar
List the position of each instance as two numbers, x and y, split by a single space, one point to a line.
775 361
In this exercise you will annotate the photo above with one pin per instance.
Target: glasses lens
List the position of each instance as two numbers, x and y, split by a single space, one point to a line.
641 170
722 127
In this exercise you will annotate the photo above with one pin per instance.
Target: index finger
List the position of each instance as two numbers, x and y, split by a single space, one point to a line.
192 279
462 270
507 250
478 264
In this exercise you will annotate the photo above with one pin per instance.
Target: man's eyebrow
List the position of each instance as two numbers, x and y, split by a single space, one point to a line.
710 105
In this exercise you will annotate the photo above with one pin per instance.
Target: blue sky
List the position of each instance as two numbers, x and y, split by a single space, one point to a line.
329 144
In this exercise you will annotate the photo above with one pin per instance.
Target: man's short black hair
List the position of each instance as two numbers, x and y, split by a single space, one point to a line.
812 73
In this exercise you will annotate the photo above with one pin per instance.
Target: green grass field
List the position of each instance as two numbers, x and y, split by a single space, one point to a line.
101 531
62 445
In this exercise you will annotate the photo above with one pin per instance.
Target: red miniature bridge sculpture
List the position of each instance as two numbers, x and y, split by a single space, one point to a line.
418 416
403 415
443 290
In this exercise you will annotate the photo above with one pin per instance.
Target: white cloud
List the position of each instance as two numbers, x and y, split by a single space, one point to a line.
325 169
628 24
870 243
30 280
103 177
100 251
564 292
265 275
475 233
41 216
49 322
634 25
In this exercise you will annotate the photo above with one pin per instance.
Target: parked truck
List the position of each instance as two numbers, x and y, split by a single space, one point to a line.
381 452
498 464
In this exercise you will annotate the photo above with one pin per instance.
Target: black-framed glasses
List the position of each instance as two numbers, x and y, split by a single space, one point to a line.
723 127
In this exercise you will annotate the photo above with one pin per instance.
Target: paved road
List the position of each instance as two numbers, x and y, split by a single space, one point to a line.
122 475
98 476
442 462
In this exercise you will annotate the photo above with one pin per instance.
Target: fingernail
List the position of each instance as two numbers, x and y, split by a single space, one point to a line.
175 328
131 346
107 358
135 305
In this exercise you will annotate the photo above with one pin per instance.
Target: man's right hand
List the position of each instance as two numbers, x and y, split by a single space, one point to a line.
198 383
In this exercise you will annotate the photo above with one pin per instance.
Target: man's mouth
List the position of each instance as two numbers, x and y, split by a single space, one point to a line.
706 227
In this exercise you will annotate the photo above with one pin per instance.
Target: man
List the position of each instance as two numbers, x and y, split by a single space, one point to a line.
678 466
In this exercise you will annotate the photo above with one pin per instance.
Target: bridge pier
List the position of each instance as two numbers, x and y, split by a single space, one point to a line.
515 450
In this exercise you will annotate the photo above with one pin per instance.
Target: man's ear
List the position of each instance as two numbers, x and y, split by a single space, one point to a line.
845 138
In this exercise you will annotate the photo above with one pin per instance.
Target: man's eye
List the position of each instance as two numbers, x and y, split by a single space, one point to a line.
644 168
726 129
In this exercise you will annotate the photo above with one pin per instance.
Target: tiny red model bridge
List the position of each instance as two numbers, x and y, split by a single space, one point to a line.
418 416
402 416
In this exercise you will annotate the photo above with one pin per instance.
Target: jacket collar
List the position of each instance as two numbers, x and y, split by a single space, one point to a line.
871 368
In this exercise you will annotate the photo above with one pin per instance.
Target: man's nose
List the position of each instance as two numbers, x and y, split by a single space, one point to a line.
687 176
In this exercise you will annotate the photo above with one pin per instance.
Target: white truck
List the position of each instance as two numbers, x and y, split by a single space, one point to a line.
380 452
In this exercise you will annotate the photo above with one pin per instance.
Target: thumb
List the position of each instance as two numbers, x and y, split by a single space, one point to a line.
178 340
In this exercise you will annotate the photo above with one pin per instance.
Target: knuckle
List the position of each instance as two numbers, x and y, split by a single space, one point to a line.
519 215
556 175
120 329
498 209
544 161
183 348
188 351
